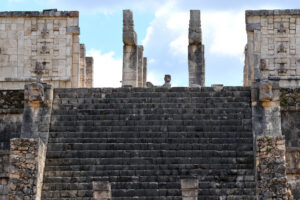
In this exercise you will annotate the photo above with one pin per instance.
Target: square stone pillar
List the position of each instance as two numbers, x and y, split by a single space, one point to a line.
130 51
27 154
82 67
144 71
26 170
270 169
89 72
140 65
102 190
196 51
189 189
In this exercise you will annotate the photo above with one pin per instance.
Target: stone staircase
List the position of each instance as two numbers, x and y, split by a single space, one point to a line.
144 141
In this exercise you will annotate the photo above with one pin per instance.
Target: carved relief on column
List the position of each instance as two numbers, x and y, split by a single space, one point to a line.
130 51
196 51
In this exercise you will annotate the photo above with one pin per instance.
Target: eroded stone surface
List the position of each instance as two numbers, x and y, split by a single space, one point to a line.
271 168
196 51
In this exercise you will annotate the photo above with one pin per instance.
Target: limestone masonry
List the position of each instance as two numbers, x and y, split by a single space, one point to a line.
49 38
62 139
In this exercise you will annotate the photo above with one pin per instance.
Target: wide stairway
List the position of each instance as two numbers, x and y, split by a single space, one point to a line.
144 141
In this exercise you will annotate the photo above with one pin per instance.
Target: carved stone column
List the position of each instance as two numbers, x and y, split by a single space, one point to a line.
140 65
26 179
130 51
89 71
144 71
196 51
271 176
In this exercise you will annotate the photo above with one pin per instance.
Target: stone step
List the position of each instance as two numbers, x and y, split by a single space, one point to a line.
146 106
202 135
152 117
150 111
137 123
246 127
147 146
169 140
147 153
146 185
53 178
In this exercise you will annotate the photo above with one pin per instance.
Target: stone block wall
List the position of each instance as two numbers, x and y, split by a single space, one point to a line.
11 109
4 177
290 115
273 46
49 38
272 182
27 159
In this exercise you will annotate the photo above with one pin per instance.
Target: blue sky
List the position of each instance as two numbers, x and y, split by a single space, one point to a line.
162 27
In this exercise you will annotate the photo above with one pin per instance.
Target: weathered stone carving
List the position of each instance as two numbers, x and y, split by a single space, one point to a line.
167 79
130 51
27 161
50 36
271 169
39 71
265 92
129 35
272 36
196 50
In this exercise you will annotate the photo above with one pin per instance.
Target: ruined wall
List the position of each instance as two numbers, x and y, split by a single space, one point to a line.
273 46
11 109
50 38
290 115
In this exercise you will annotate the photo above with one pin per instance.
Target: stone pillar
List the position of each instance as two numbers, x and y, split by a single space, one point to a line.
130 51
27 160
27 154
140 65
189 189
37 111
272 181
102 190
196 51
144 71
271 176
89 71
82 66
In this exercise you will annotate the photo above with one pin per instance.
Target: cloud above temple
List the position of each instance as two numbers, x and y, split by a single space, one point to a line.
107 69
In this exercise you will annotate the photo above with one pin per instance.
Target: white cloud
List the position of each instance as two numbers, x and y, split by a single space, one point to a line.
226 30
107 69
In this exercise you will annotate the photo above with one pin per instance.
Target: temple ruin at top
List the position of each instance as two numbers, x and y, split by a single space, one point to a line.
62 139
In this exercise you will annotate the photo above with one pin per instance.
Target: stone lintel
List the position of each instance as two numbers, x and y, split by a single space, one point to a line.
45 13
73 30
253 26
273 12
